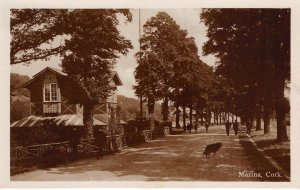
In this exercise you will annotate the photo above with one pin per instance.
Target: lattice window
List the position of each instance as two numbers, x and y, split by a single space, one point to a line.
51 92
47 93
54 92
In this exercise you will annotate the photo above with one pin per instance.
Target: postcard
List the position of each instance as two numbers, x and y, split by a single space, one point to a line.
149 94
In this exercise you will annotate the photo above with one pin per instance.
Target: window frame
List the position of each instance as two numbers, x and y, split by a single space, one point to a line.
50 93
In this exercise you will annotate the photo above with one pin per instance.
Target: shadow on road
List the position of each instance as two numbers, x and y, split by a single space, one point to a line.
258 162
173 158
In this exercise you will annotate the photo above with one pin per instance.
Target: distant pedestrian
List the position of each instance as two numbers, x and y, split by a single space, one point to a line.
235 127
189 127
248 126
206 126
196 127
100 139
184 128
227 126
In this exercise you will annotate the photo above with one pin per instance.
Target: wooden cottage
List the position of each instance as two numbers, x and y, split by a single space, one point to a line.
51 95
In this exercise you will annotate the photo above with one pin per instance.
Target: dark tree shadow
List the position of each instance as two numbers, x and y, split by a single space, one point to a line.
259 163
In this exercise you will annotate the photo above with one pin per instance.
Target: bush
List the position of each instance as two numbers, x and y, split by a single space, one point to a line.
26 136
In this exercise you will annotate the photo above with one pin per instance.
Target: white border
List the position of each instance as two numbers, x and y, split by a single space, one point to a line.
5 7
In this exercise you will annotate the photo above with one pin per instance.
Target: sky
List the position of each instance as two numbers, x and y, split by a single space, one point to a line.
188 19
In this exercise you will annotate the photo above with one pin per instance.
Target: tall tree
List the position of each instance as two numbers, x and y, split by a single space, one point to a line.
93 48
253 47
149 83
92 45
159 49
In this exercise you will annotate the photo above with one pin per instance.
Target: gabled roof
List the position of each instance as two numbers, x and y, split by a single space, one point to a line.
115 76
34 77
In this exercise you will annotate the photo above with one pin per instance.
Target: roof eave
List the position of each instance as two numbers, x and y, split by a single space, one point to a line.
34 77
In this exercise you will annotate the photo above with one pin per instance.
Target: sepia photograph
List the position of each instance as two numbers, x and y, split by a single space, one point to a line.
150 94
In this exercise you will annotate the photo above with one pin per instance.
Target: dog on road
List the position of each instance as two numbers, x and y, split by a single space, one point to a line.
212 148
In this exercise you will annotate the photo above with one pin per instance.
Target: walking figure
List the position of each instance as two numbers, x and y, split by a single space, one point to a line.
206 126
100 139
227 126
189 127
248 126
196 127
184 128
235 127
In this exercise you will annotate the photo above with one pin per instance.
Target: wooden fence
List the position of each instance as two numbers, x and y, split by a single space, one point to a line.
86 145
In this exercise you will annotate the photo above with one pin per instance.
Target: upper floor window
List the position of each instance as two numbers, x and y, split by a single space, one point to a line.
50 92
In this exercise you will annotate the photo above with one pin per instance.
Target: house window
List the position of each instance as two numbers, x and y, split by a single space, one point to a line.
50 92
54 92
47 93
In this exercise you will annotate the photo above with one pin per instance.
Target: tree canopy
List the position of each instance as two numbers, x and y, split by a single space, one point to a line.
253 49
169 66
92 43
33 31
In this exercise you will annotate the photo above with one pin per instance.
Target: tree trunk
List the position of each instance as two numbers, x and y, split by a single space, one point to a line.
258 122
141 108
191 116
201 117
88 119
258 119
151 112
165 109
252 122
177 116
280 113
184 117
281 125
267 113
197 118
151 103
214 117
242 120
209 117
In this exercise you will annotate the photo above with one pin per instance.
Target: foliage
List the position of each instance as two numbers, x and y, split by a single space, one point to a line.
89 42
247 57
253 48
158 51
16 81
19 98
169 67
32 33
93 48
92 43
26 136
19 108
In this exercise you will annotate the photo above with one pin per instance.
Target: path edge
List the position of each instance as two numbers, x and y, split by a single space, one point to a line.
270 159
